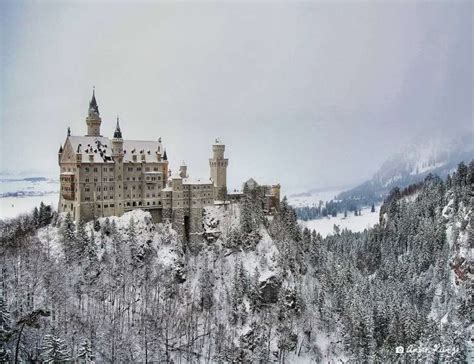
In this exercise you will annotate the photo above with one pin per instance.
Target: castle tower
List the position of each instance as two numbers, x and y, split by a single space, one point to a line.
60 153
93 119
183 170
218 165
117 156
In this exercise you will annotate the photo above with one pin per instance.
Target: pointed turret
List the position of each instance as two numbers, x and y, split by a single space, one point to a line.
93 107
118 132
60 149
93 119
165 156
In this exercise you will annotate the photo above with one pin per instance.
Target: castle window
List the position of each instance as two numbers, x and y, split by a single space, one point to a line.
98 206
130 169
139 169
95 180
106 206
148 203
128 203
87 169
87 180
95 169
112 205
140 203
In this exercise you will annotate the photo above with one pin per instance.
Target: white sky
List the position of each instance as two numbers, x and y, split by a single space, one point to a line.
308 94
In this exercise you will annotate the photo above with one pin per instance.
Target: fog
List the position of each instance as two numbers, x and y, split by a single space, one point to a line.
305 94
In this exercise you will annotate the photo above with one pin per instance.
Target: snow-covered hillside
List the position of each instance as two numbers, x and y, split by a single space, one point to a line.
252 288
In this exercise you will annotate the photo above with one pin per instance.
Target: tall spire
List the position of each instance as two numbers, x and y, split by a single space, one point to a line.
118 132
93 107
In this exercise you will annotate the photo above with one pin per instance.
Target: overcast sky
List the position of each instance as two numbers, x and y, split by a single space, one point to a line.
307 94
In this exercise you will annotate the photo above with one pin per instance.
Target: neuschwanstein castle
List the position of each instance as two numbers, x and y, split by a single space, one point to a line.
106 177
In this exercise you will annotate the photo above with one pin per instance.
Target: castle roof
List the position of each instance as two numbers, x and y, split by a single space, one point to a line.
101 149
196 181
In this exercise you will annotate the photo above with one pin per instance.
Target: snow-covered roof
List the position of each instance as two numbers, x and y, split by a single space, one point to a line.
101 149
196 181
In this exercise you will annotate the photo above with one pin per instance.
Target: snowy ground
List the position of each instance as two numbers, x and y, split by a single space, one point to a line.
20 194
312 198
325 226
14 206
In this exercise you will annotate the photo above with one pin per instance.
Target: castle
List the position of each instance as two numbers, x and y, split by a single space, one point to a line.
106 177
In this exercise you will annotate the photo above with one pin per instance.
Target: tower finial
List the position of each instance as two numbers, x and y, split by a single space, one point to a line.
118 132
68 131
93 107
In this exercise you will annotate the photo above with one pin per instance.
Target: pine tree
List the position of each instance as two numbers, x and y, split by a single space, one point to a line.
45 214
68 238
206 286
36 216
254 291
6 331
84 355
82 240
53 349
96 225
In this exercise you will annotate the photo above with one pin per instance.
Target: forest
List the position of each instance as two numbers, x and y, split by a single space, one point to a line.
252 288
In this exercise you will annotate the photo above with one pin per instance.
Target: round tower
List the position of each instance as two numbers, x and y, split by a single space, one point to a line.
183 170
93 119
218 165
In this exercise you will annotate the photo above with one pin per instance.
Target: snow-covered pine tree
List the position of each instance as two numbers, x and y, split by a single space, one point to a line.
53 349
255 295
206 286
68 237
84 354
6 331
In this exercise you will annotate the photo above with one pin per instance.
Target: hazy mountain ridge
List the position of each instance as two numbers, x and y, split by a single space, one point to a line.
436 154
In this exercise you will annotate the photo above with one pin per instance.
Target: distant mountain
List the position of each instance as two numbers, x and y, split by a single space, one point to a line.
438 154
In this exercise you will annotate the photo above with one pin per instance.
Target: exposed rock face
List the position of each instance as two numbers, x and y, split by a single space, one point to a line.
269 290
